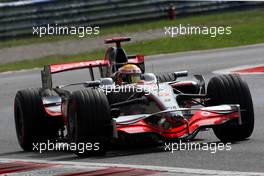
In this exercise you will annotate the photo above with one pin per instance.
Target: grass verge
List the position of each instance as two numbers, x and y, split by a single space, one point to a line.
246 29
225 18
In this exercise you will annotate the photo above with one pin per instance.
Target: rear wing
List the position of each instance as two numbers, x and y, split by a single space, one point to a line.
46 73
56 68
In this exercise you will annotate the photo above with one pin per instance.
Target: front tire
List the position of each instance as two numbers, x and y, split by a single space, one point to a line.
89 121
231 89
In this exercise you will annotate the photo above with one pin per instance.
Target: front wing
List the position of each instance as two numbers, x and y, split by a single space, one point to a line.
202 118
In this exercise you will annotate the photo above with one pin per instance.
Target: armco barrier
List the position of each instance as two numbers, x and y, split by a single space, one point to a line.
18 18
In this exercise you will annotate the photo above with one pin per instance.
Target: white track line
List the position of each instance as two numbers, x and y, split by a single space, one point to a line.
170 170
20 71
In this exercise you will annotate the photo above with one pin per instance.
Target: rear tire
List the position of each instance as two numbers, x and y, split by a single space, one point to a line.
231 89
32 123
89 121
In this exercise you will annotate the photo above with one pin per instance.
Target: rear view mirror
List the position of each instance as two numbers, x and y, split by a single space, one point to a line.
180 74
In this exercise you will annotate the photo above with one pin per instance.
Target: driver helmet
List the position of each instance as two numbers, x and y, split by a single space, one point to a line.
128 74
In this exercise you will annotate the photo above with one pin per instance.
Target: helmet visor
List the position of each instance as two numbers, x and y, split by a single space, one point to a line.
130 78
135 78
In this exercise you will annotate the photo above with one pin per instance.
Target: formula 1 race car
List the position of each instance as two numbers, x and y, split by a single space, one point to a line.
127 103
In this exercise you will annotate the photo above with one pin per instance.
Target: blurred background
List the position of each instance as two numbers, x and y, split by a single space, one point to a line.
18 17
143 20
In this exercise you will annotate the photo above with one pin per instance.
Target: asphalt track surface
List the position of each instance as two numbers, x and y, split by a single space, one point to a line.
245 156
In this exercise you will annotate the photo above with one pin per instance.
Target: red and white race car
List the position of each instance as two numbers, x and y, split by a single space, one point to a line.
127 103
